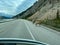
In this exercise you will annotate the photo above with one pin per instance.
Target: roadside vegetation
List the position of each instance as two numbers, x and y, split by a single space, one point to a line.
54 23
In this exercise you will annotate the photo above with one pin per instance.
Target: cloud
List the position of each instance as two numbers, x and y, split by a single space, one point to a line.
9 6
25 5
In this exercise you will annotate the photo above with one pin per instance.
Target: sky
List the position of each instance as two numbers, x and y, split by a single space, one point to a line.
13 7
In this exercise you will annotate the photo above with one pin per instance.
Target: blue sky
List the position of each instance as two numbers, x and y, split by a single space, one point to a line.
13 7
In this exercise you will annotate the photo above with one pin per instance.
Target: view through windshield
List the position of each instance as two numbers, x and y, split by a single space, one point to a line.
29 22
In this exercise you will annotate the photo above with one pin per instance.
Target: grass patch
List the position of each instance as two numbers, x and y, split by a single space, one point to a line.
53 23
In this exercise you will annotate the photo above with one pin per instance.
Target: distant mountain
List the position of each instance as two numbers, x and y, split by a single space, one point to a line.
5 15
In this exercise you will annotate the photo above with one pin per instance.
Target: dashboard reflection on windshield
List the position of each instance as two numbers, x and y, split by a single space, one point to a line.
16 44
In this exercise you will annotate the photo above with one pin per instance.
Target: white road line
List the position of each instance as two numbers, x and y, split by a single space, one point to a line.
29 31
32 34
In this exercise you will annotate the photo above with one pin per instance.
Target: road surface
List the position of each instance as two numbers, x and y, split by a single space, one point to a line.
5 20
27 30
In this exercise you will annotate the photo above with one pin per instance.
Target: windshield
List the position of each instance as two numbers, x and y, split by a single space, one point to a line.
29 22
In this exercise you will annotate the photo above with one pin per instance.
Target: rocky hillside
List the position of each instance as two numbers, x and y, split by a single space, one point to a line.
33 9
42 9
45 12
48 11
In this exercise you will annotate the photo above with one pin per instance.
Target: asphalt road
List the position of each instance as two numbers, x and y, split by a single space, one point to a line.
14 29
44 34
27 30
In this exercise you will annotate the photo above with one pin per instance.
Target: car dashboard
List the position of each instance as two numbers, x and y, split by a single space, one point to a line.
17 41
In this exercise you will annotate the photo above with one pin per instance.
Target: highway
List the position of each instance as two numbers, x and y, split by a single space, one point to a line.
14 29
27 30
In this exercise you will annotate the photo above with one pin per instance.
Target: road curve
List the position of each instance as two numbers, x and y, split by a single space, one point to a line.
44 34
27 30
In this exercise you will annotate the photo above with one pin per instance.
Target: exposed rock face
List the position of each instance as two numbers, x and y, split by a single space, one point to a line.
48 11
42 10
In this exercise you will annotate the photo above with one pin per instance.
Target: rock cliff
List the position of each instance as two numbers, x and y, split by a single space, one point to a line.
48 11
42 9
